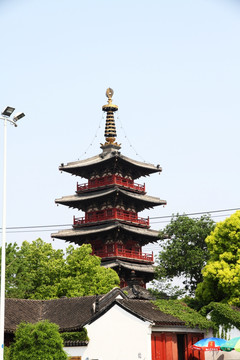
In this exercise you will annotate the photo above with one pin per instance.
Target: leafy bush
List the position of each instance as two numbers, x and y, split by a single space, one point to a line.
75 336
40 341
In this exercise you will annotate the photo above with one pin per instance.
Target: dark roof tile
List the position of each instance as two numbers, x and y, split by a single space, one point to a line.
72 314
147 310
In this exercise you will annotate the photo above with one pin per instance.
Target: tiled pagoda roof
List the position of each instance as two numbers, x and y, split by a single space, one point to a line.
81 201
109 159
129 265
79 235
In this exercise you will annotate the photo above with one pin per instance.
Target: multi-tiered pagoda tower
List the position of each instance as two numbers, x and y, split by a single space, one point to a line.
111 201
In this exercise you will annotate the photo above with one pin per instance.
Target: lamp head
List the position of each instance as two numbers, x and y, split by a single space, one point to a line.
8 111
18 116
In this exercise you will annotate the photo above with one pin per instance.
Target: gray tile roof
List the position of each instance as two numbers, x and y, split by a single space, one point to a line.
128 265
148 311
80 201
72 314
77 235
82 167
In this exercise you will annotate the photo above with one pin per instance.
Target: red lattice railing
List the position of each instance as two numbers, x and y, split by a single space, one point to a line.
124 253
110 180
109 214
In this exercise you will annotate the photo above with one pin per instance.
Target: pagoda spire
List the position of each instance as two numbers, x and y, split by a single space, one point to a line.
110 128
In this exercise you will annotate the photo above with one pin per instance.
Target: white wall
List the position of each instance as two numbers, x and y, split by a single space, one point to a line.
116 335
75 350
222 355
231 333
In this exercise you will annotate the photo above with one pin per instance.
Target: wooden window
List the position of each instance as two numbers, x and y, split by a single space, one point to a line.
109 212
110 248
120 247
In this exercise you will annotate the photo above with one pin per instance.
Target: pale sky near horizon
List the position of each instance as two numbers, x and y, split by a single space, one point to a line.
174 67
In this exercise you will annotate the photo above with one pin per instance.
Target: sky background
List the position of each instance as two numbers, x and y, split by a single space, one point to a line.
174 68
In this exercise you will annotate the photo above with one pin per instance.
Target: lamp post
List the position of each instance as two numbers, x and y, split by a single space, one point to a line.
6 114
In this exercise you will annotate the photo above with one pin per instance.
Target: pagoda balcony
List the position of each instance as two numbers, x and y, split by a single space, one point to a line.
110 180
131 254
110 214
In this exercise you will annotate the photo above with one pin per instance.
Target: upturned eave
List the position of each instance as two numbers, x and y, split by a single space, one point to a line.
129 265
83 235
82 201
85 167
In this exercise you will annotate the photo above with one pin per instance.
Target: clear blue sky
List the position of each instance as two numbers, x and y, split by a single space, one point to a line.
174 67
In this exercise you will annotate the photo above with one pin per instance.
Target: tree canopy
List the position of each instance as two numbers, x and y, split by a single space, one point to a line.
221 275
40 341
183 251
37 271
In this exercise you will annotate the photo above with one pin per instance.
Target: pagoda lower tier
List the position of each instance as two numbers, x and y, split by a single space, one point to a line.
142 273
120 247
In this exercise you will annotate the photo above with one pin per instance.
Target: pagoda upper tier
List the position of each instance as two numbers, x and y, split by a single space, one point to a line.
110 161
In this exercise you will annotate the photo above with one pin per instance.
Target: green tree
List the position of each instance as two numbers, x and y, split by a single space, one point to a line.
221 275
40 341
37 271
6 353
84 275
184 252
12 264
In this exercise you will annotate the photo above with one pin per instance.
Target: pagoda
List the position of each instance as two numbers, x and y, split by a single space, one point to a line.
111 201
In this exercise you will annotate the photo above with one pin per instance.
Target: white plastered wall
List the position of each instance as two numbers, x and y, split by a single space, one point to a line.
222 355
116 335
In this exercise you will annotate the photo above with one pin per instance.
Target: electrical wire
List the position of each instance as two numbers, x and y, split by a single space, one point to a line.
195 213
54 227
168 221
95 136
126 137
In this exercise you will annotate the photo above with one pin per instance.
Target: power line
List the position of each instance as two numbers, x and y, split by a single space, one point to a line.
43 228
195 213
35 226
167 221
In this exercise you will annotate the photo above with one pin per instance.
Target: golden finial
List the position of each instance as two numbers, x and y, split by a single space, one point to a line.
109 94
110 128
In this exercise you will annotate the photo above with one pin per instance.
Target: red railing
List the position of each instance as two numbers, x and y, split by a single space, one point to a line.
109 214
110 180
124 253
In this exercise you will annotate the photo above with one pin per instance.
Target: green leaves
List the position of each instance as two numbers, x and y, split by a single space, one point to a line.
40 341
179 309
37 271
222 314
83 274
75 335
184 251
221 275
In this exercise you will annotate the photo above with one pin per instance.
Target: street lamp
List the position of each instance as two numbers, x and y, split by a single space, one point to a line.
7 112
